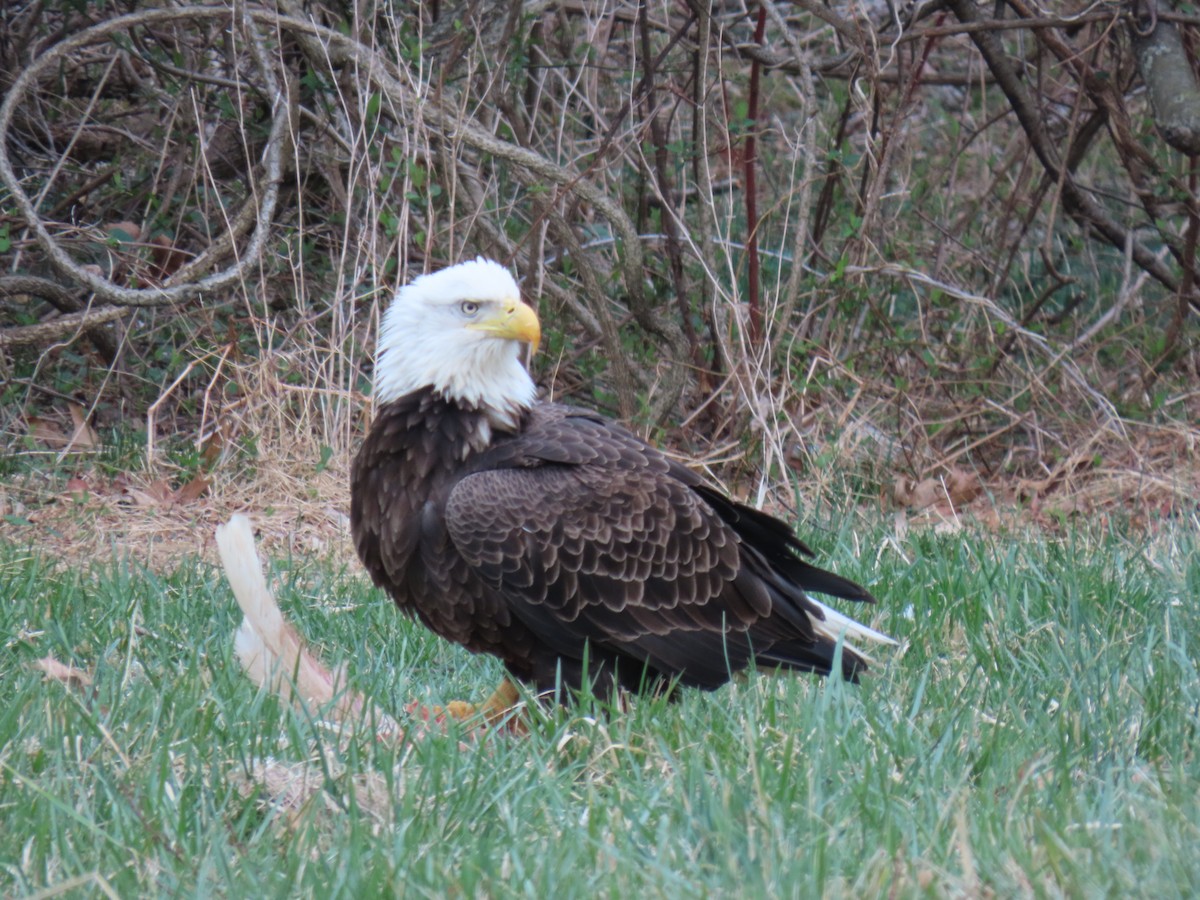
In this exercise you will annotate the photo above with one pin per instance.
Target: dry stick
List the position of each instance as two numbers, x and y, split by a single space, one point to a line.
791 292
891 140
336 48
1079 139
671 331
152 411
1138 162
71 323
988 305
86 188
107 290
844 66
829 181
1077 149
758 355
623 374
1175 327
666 191
597 321
851 33
641 309
751 165
1171 84
66 301
565 299
706 218
87 111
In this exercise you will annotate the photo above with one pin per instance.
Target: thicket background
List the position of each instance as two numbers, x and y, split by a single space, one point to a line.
925 256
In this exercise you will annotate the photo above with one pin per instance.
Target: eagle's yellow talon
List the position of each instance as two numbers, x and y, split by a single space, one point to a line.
502 702
460 710
493 710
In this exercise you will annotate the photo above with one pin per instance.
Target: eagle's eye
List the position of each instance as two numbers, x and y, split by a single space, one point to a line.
469 307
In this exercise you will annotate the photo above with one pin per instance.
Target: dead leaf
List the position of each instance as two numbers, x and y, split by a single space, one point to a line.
165 259
916 496
1028 489
156 493
962 486
85 435
213 447
957 487
49 432
293 789
125 232
78 487
46 432
191 491
948 526
53 670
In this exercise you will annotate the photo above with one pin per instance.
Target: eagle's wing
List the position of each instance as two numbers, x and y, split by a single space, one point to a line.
592 536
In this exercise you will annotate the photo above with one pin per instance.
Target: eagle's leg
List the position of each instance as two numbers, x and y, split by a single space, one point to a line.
493 710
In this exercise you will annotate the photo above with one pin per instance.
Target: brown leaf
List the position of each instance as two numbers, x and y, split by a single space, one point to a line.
53 670
962 486
916 496
212 447
165 259
156 493
957 487
85 435
124 232
46 432
49 432
926 493
192 490
160 489
948 526
78 487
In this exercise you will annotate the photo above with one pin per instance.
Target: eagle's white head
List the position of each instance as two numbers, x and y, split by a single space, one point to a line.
460 331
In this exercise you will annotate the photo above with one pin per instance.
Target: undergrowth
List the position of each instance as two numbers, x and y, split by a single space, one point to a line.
907 293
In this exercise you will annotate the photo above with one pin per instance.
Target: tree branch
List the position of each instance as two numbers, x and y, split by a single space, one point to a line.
169 293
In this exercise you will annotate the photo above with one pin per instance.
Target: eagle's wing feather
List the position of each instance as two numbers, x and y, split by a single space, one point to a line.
592 535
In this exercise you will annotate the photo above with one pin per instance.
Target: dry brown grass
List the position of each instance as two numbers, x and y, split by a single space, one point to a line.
159 513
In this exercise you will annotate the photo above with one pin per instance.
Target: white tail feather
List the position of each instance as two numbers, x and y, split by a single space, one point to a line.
836 624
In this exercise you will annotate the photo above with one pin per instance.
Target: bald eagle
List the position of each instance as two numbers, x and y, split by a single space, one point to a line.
553 538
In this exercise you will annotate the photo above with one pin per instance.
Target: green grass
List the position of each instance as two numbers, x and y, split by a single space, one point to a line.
1035 736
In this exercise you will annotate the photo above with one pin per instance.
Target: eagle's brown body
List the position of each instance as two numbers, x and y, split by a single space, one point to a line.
568 539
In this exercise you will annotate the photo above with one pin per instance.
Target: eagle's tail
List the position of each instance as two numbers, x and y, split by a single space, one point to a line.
819 652
837 624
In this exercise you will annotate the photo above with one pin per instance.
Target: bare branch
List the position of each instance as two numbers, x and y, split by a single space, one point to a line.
104 288
52 330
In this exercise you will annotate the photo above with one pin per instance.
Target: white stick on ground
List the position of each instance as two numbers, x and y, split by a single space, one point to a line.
270 649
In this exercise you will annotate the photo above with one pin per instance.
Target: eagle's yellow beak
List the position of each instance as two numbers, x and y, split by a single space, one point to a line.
514 320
